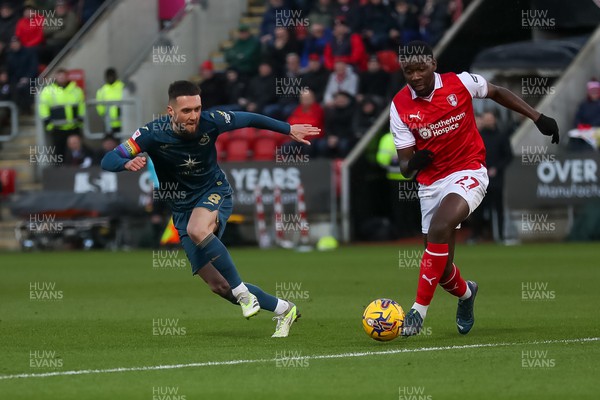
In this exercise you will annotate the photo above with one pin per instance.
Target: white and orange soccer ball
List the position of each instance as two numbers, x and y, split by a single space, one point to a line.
382 319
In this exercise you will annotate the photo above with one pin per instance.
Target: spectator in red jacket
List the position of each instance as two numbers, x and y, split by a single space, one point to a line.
30 28
345 46
308 112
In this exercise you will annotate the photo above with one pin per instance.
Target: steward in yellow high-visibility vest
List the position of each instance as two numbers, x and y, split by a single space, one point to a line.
112 90
61 108
387 157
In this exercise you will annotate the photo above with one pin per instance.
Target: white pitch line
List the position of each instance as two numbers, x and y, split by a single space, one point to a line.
314 357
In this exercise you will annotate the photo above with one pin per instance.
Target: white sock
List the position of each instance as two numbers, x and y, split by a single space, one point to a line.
281 307
239 290
467 294
421 309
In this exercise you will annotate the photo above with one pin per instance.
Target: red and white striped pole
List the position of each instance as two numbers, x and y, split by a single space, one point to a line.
301 210
264 241
278 214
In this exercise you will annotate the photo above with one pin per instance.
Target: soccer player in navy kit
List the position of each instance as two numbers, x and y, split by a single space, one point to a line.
184 155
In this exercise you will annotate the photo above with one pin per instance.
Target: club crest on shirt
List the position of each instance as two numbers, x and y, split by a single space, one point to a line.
204 139
452 100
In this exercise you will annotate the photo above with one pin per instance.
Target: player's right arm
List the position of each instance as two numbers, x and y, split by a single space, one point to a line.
126 156
404 157
410 160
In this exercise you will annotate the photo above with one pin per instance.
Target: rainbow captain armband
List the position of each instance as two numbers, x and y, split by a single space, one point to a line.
129 149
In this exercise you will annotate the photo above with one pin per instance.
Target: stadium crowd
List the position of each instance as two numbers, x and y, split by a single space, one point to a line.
32 33
329 63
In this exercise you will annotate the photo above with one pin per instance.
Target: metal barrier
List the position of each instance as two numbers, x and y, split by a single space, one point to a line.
14 120
42 137
87 130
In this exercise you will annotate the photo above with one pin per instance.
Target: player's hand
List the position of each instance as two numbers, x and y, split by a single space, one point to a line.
136 164
548 127
299 132
420 160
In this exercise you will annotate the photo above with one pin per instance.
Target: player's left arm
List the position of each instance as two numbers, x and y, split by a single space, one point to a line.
478 87
228 121
546 125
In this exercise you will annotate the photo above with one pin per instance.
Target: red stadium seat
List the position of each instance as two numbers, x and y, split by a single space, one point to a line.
237 150
279 138
248 134
264 148
223 138
220 146
8 177
242 133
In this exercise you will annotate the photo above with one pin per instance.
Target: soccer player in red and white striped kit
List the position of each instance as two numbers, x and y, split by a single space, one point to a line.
434 130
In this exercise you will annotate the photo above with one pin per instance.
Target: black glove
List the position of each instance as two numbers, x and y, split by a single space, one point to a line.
420 160
548 127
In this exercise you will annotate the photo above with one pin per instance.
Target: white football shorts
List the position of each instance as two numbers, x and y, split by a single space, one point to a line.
471 185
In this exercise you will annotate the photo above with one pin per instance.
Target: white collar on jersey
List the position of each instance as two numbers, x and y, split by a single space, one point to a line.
438 84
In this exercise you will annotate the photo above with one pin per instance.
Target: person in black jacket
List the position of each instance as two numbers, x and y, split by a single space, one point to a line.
316 76
367 112
234 90
374 81
22 65
339 138
498 155
77 154
276 51
350 12
211 87
8 21
261 90
376 24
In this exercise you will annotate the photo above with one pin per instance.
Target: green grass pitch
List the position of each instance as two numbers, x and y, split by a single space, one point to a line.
137 325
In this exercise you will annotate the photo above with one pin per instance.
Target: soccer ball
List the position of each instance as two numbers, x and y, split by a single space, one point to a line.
382 319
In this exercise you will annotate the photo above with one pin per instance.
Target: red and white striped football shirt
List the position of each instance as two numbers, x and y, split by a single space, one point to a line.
443 123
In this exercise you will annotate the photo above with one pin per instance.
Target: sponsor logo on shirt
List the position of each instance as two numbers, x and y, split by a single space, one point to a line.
136 134
441 127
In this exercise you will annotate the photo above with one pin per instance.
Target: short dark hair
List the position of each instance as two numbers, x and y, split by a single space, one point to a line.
183 88
419 47
110 72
